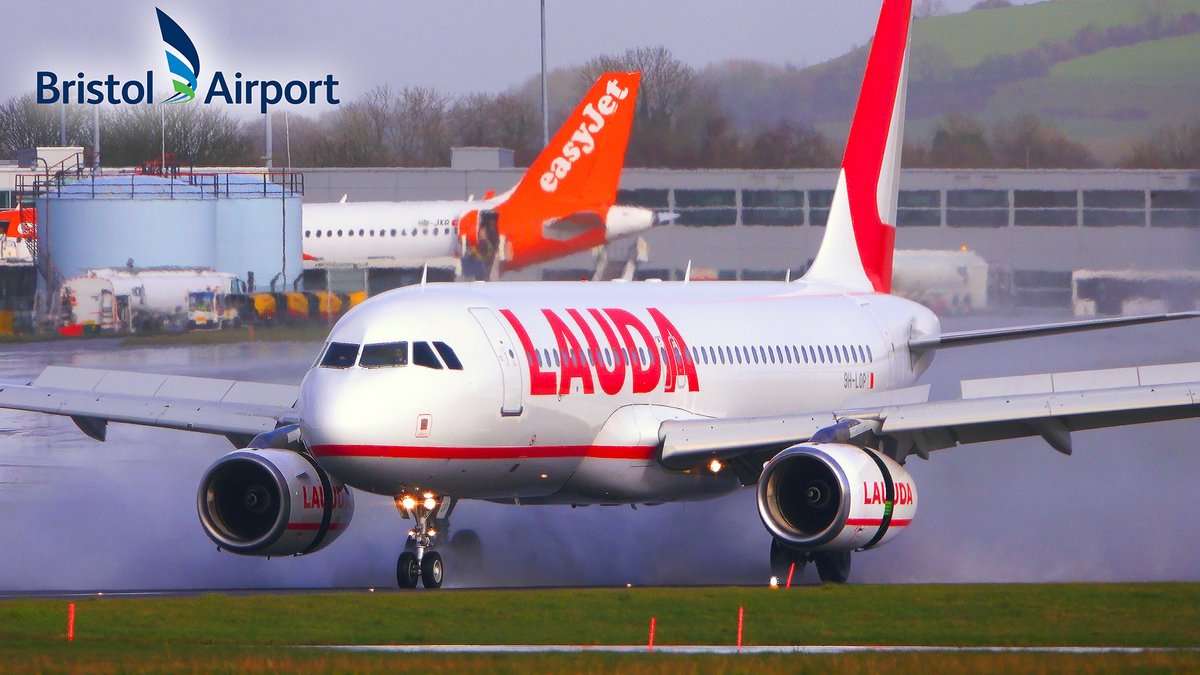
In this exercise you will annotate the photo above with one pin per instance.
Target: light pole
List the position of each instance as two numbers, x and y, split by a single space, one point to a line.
545 104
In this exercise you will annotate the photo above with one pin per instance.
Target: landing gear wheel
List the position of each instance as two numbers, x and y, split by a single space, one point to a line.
833 567
408 570
782 559
431 570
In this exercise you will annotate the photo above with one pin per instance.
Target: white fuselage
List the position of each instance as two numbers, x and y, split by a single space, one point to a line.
403 234
513 426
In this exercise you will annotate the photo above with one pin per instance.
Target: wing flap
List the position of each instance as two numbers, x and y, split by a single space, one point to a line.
1050 405
207 405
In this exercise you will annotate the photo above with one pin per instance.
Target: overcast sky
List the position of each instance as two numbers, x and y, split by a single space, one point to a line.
457 46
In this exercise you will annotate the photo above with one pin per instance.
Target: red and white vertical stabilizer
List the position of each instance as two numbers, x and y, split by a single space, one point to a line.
856 252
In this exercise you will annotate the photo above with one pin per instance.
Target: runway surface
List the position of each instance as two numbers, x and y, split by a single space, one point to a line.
79 515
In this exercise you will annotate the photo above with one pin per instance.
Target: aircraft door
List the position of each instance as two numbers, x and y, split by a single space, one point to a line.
506 350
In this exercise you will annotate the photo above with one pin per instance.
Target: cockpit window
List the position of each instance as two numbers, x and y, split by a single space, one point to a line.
448 356
339 355
384 355
422 355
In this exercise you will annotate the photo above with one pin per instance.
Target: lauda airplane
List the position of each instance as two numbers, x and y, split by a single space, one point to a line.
565 203
626 393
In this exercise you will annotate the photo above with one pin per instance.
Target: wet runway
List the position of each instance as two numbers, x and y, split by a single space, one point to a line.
76 514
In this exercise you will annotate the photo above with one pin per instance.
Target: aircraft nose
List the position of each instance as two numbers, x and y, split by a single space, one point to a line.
623 221
341 407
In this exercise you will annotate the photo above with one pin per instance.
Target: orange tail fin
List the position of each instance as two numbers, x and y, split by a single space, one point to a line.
569 187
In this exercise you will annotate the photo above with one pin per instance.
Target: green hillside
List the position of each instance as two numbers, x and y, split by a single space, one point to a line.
1167 61
970 37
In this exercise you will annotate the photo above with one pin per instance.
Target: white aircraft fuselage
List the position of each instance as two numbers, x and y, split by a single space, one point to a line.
552 405
405 234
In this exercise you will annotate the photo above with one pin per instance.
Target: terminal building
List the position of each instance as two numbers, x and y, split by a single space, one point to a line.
1034 228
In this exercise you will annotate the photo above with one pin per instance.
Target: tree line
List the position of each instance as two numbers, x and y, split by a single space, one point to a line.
685 119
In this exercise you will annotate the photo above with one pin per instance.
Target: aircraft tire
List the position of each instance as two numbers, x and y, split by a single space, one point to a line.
782 559
833 566
408 571
432 570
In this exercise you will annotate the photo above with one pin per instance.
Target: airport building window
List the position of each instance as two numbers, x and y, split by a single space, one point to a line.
1175 199
1045 199
1114 218
1114 199
977 199
918 217
818 217
448 356
707 217
702 198
339 355
7 200
645 198
773 198
1175 218
422 355
384 355
822 199
920 199
762 216
1043 217
977 217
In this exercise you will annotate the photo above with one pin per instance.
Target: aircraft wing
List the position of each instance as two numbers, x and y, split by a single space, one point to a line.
93 398
1050 405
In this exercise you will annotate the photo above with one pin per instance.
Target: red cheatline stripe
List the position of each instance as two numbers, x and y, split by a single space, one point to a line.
312 526
521 452
868 522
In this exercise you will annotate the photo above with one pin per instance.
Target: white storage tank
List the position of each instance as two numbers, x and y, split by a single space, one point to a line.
247 224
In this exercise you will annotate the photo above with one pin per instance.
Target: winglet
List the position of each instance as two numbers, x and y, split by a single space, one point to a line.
856 252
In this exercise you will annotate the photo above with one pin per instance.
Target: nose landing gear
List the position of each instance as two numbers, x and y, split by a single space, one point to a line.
422 564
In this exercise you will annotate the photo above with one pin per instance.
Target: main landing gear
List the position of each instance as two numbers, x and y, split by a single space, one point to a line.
833 567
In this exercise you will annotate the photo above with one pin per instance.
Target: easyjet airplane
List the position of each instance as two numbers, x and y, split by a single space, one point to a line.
627 393
565 203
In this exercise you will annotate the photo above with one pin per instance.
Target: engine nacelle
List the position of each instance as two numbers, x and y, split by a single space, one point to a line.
272 502
832 496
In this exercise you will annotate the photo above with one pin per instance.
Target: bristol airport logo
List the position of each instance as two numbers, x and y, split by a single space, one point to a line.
182 58
183 61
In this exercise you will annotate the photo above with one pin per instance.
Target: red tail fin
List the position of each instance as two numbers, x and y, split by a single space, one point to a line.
860 234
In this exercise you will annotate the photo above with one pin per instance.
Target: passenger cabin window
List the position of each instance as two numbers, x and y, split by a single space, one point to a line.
384 355
422 355
339 355
448 356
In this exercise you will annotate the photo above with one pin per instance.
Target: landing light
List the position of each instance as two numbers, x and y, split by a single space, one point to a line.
715 466
408 502
430 502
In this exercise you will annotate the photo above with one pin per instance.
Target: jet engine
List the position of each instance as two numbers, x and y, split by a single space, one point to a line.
835 497
272 502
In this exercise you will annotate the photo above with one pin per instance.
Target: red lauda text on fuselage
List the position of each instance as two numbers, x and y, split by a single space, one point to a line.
582 355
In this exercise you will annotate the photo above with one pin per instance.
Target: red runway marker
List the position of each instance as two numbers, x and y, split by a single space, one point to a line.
741 621
71 622
791 571
650 645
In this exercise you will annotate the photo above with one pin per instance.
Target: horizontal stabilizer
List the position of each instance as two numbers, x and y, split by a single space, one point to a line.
978 337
